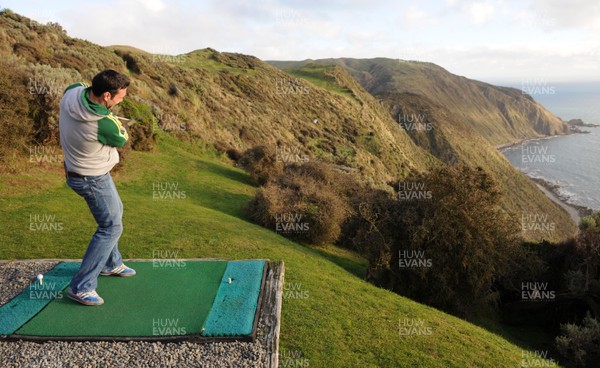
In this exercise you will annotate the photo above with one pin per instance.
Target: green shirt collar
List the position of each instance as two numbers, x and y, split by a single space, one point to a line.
92 106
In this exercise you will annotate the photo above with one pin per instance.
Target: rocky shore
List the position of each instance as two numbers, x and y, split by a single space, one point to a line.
555 190
574 128
521 141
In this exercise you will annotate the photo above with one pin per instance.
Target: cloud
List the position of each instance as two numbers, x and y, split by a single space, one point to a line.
480 12
584 14
477 12
153 5
518 62
152 26
533 20
448 33
415 17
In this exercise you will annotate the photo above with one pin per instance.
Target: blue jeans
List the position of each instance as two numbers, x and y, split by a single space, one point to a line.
105 204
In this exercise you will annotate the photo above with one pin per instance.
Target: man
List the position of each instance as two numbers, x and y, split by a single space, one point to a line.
89 135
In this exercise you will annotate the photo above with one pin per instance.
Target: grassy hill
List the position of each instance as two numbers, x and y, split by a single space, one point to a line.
461 122
500 114
331 316
235 102
203 104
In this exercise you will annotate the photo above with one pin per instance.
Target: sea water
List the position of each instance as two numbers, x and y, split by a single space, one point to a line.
571 162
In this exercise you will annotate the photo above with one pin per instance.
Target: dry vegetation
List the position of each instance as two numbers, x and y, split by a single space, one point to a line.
234 102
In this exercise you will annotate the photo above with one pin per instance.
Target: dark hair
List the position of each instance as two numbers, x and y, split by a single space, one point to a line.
109 81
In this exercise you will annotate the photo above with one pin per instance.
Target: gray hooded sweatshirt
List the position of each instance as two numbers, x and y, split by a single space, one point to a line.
89 133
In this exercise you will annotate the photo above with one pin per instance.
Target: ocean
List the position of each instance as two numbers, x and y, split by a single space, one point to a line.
571 162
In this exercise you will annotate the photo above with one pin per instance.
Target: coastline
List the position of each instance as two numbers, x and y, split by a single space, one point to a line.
552 190
526 140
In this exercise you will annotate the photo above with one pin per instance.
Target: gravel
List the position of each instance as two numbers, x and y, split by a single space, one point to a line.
16 276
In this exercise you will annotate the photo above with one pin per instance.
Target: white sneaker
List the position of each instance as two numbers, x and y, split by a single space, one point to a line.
85 297
121 270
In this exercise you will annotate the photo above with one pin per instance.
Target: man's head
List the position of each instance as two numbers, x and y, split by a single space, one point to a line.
109 87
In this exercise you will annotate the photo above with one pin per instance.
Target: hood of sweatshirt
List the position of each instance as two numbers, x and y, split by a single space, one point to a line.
78 105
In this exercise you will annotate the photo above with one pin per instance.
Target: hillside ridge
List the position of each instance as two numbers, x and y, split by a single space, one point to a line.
234 102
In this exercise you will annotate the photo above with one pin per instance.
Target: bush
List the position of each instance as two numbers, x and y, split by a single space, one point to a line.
15 124
444 241
130 61
141 128
173 90
587 222
581 344
47 85
307 202
587 252
261 163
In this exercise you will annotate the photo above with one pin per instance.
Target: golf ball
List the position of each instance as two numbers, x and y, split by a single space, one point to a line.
40 277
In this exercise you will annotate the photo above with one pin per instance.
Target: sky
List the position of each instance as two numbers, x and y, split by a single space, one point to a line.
497 41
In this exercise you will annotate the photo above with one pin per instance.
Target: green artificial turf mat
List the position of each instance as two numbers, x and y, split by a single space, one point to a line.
33 299
236 302
165 298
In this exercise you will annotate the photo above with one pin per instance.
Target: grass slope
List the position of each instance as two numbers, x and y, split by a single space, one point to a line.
331 316
500 114
235 101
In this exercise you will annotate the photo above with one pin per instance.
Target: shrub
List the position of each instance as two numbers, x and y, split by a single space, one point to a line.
261 163
444 246
15 124
233 154
588 250
173 90
141 126
587 222
46 85
581 344
307 202
130 61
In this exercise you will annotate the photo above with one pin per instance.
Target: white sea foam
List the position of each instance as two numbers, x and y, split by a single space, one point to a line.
575 169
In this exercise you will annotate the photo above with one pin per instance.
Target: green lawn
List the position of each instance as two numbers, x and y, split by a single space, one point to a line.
330 318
